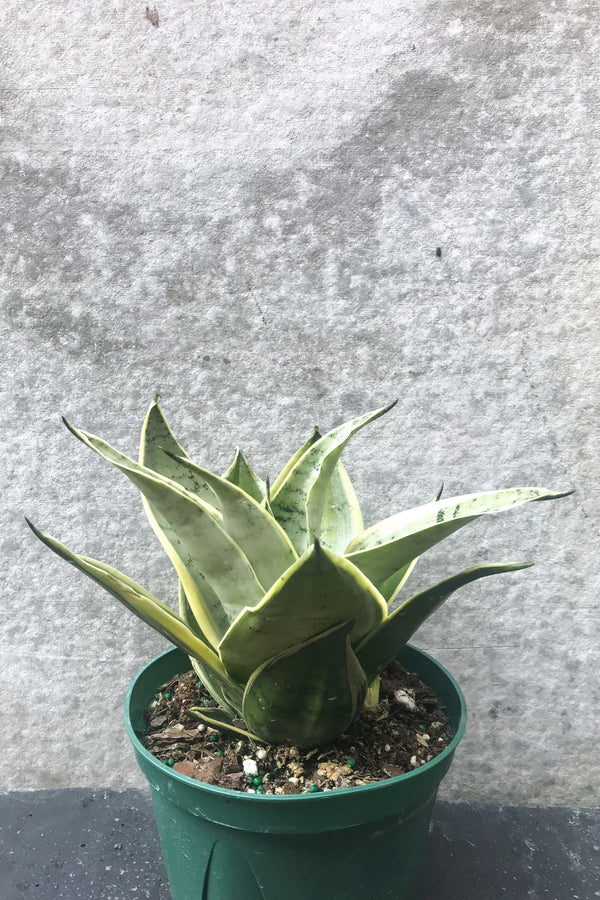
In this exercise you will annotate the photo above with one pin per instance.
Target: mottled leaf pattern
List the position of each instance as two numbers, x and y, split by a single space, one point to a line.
388 546
299 500
283 596
309 694
243 476
341 520
294 459
217 577
251 527
319 591
160 451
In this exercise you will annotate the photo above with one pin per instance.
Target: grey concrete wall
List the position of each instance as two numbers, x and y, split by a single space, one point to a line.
239 205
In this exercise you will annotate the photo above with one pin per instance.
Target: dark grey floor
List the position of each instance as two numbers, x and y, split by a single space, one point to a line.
102 845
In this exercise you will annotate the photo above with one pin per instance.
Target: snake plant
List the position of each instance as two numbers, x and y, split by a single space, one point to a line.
289 609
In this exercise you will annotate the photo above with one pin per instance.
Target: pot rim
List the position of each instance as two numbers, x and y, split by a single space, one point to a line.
322 796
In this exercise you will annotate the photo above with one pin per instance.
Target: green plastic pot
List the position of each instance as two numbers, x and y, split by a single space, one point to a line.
365 842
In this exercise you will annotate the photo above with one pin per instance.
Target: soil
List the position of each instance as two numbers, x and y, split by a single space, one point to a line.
407 729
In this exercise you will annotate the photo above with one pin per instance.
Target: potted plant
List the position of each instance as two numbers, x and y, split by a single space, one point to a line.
289 611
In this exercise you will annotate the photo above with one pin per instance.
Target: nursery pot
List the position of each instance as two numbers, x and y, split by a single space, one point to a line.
361 843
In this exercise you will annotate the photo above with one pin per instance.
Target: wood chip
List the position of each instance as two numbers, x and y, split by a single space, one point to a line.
233 780
208 769
175 733
185 768
157 721
392 771
290 788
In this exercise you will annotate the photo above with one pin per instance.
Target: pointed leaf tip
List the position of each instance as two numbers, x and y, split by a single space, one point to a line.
301 490
74 431
557 496
388 546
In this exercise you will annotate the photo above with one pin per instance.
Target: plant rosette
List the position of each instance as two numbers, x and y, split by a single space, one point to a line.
289 609
406 729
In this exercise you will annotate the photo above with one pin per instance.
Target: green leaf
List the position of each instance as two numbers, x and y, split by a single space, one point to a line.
388 546
392 586
185 612
309 694
160 451
156 442
299 500
264 542
221 719
227 693
380 647
223 689
217 577
266 502
292 462
341 520
140 601
241 473
318 592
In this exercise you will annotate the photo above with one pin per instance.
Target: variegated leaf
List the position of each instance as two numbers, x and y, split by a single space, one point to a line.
319 591
140 601
227 693
380 647
309 694
217 578
221 719
388 546
161 452
392 586
299 500
263 541
241 473
341 520
294 459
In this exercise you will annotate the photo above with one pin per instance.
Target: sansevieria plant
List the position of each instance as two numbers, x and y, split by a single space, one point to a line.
288 608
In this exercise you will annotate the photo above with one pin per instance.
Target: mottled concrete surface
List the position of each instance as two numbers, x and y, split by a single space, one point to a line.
239 206
77 844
